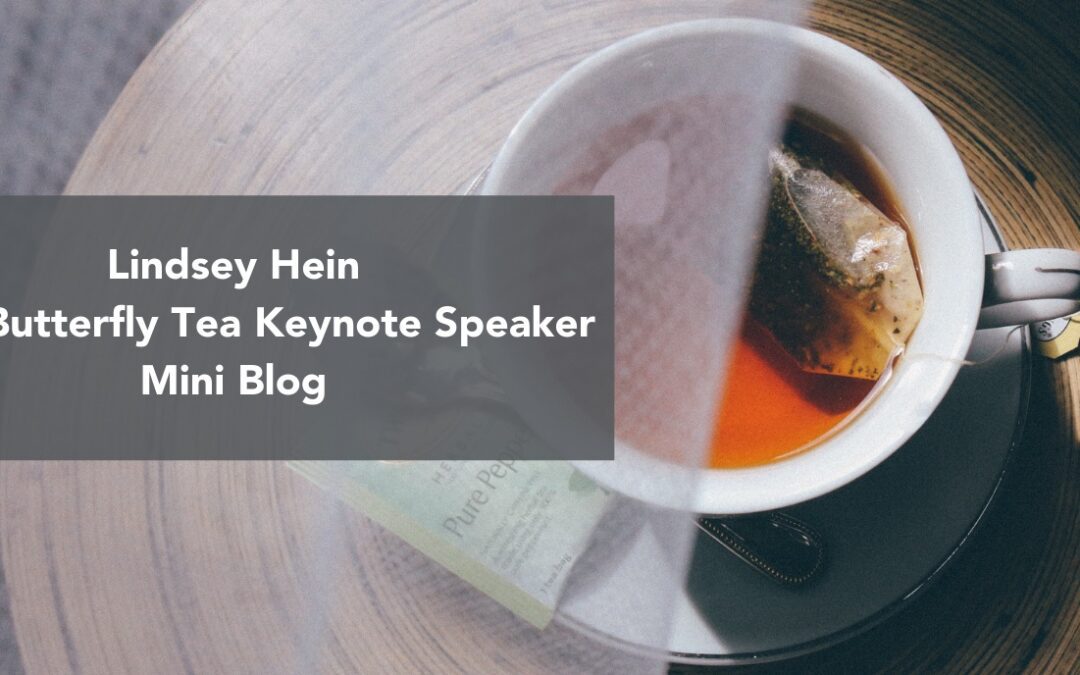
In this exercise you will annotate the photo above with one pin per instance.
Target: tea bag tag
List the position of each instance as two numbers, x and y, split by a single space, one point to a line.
1057 337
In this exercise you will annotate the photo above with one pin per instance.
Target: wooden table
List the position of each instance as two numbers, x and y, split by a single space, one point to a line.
269 97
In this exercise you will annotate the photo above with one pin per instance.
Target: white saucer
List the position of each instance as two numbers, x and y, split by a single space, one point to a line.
888 534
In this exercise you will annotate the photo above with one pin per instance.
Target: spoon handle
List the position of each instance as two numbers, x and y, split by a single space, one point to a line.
779 546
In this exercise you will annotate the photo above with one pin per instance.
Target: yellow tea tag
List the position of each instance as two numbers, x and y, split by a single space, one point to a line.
1057 337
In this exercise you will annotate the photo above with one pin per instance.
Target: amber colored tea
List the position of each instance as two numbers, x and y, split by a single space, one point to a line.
771 407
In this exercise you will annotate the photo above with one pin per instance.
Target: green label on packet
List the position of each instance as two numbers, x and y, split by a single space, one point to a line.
511 528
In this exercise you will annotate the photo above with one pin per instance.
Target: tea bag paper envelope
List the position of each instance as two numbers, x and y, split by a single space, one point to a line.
836 283
511 528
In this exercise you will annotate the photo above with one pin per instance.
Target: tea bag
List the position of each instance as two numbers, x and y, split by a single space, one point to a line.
836 283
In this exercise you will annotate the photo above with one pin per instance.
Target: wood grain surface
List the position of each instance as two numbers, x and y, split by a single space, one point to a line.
148 567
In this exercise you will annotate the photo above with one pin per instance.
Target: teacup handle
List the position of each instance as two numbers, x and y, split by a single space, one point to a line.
1030 285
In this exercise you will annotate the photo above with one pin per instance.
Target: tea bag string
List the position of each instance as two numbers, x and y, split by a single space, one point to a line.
967 362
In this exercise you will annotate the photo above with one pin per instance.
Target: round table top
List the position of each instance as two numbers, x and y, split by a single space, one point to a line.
273 97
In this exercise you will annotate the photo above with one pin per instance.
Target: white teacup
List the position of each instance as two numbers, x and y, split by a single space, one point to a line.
963 288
